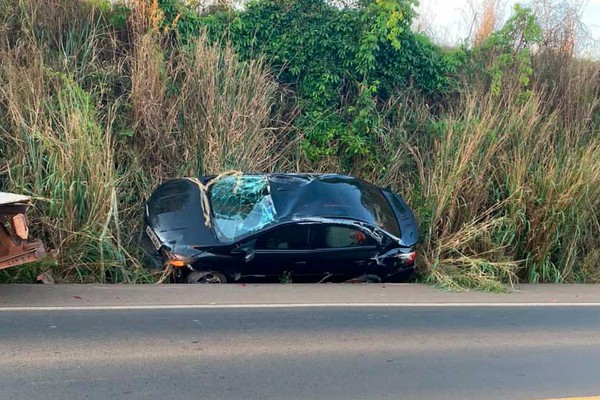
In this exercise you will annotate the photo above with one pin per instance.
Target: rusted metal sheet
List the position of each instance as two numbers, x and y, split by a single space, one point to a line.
15 248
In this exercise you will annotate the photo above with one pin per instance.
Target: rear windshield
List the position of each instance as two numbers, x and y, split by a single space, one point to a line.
241 205
375 202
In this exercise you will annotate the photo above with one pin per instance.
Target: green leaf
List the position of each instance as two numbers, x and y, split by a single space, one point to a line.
127 132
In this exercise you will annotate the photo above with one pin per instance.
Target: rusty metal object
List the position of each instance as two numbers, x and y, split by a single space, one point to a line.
15 249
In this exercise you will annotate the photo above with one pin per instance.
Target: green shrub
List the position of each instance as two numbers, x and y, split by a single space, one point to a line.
341 62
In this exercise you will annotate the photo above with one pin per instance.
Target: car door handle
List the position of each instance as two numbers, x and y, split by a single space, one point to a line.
300 262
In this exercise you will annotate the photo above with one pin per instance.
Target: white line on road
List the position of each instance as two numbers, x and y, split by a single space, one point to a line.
283 305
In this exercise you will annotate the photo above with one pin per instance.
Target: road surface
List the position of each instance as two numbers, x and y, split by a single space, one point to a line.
388 348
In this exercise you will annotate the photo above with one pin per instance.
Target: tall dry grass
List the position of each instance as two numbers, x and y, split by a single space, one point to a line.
58 107
92 116
220 113
227 108
90 124
56 148
506 190
487 22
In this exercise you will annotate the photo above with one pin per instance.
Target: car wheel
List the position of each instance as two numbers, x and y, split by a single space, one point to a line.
206 277
365 279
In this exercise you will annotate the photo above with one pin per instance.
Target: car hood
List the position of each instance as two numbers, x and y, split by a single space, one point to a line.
174 212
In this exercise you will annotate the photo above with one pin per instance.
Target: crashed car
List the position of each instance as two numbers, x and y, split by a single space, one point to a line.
15 246
306 227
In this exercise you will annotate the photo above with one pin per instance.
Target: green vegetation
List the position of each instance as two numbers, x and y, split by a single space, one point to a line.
339 62
496 146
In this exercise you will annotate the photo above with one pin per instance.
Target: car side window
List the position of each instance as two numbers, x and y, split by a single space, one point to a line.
339 237
290 237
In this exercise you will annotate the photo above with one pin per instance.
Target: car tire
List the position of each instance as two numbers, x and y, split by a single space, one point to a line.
366 278
210 277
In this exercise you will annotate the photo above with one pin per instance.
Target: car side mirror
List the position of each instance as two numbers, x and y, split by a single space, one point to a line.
247 250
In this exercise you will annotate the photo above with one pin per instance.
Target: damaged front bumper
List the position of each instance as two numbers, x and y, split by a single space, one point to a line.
15 246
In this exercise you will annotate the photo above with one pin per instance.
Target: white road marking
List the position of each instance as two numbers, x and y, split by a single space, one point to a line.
577 398
283 305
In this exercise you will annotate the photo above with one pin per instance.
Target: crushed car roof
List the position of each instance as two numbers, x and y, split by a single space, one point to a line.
299 196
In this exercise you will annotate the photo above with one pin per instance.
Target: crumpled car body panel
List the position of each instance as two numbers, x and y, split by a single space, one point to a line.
303 224
174 213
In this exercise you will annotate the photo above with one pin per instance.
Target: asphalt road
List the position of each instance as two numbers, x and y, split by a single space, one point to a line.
408 352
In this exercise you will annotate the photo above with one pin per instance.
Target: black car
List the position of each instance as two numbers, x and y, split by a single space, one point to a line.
298 227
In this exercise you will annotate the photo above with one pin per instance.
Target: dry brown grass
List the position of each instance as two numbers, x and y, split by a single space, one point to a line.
222 115
57 151
506 190
61 142
487 23
226 109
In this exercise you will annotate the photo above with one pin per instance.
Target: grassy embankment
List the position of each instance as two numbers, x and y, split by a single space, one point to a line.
99 104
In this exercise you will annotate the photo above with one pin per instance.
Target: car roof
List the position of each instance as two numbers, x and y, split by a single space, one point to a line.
298 196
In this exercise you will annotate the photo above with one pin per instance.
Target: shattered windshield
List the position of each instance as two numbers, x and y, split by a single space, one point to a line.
241 205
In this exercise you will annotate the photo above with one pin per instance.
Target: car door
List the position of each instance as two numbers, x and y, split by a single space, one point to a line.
341 250
281 249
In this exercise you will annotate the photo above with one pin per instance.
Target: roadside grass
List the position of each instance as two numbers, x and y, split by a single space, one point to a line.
98 106
57 149
508 190
95 115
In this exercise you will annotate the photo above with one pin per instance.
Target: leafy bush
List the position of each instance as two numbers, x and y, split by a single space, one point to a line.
342 62
505 58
